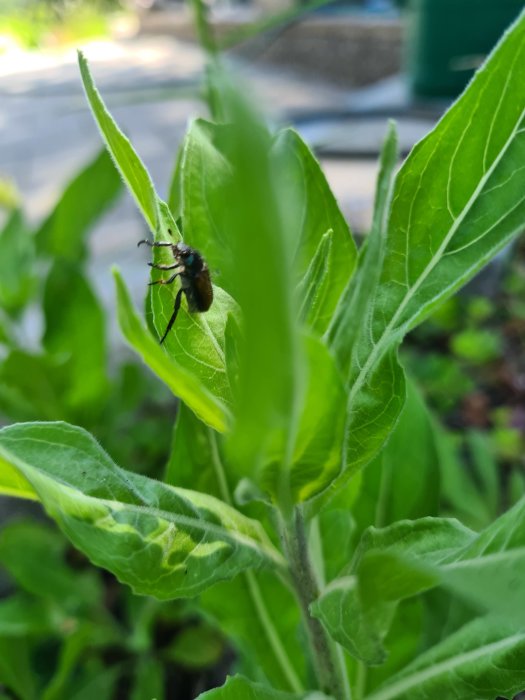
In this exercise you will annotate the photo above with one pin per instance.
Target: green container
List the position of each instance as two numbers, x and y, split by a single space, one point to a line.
448 40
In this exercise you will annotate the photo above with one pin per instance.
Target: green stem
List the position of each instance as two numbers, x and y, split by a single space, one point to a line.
361 680
327 657
252 585
202 25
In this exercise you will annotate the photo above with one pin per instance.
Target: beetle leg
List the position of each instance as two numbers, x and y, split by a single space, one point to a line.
165 267
174 315
155 244
168 281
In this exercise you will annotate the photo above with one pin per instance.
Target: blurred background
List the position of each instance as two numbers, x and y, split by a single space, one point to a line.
337 71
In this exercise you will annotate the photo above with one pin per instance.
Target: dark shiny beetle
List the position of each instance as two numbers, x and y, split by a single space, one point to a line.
194 278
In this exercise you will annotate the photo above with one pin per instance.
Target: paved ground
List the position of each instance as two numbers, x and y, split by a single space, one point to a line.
47 132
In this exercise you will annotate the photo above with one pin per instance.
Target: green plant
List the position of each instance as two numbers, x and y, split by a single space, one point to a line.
71 631
290 386
66 631
38 22
65 374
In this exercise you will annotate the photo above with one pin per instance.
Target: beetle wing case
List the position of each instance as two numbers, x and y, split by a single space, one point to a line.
200 292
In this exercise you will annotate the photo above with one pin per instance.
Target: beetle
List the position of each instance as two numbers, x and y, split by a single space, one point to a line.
194 278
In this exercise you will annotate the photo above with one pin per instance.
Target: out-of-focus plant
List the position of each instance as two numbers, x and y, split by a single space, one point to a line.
38 22
71 632
66 631
65 376
313 544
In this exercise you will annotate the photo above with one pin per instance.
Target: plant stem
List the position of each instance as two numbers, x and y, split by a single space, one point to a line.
361 680
327 658
252 585
204 31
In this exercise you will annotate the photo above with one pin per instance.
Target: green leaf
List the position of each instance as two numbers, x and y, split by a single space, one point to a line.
207 406
318 444
410 457
75 334
258 614
348 622
480 661
410 557
149 680
34 555
23 616
83 202
130 166
160 540
344 329
457 200
175 187
206 176
75 645
357 608
17 274
197 647
191 461
459 493
336 529
32 386
101 686
240 688
404 642
315 283
15 668
212 168
230 163
197 341
309 210
490 571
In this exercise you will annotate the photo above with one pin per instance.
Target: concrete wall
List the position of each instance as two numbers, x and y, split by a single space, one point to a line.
347 49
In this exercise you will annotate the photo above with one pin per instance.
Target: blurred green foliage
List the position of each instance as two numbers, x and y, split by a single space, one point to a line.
67 630
66 375
37 22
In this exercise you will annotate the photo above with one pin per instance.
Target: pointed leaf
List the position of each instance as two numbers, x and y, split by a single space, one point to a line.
85 199
457 201
344 329
312 288
15 668
17 276
160 540
318 443
358 607
482 660
75 335
410 457
198 341
126 160
308 210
